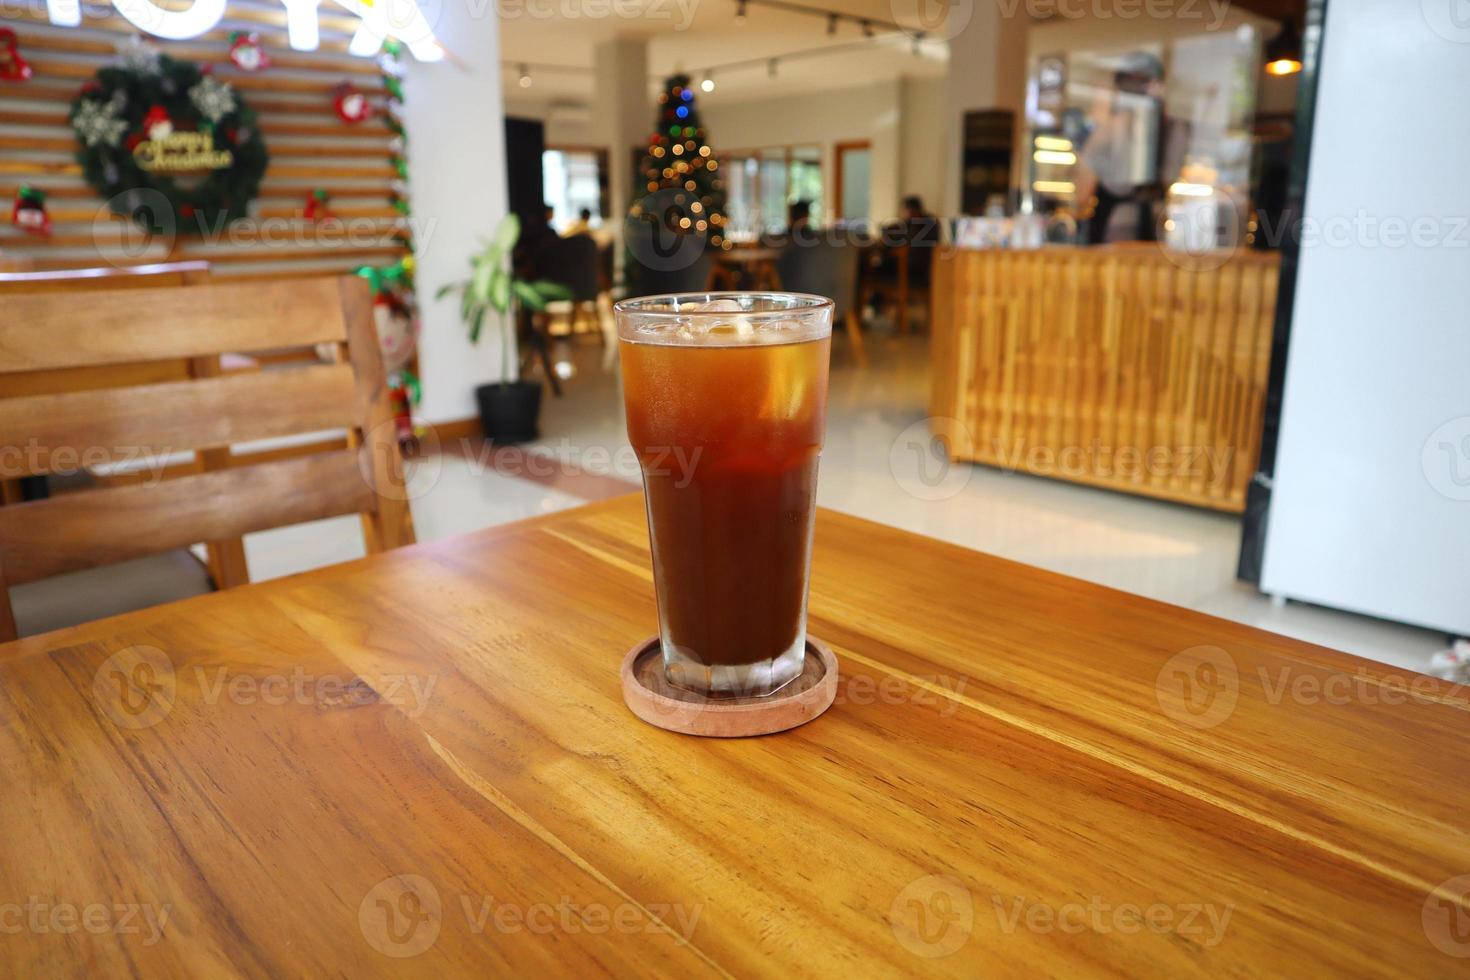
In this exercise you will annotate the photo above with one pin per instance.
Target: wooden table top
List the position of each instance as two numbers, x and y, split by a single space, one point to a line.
420 763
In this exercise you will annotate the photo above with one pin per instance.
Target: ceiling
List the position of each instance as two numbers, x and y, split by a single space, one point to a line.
556 38
694 35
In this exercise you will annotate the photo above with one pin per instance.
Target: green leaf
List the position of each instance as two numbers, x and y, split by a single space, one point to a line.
551 290
529 296
508 233
448 288
476 323
481 279
500 290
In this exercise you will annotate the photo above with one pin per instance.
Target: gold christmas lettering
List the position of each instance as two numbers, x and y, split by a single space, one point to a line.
181 152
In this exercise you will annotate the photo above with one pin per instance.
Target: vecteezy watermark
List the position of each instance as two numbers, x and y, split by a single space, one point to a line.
932 916
1100 459
403 915
564 458
1210 14
1445 459
1198 687
920 458
146 464
1450 19
681 12
141 223
41 917
863 690
137 688
1202 922
1445 917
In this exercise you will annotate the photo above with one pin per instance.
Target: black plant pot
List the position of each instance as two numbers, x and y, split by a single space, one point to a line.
509 411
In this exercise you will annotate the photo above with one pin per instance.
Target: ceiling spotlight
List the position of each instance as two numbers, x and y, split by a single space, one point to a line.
867 28
771 68
740 8
525 80
708 84
831 24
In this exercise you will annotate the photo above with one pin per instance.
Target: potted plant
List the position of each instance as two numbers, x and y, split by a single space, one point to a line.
509 409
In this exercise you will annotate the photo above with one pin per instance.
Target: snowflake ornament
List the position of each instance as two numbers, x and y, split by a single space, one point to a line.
213 98
136 55
98 123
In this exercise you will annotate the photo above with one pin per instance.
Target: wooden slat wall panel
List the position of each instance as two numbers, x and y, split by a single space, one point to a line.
1123 368
309 148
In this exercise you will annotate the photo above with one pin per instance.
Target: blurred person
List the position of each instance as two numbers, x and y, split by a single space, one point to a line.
1131 153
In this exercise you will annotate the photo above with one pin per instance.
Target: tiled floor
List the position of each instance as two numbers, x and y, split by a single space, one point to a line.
872 467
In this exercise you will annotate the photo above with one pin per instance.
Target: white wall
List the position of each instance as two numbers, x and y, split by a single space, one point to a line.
456 165
883 113
921 139
1370 509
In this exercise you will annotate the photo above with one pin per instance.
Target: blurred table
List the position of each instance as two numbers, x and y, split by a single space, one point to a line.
420 763
745 267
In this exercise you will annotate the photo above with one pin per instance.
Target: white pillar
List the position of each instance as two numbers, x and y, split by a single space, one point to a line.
622 117
987 70
454 119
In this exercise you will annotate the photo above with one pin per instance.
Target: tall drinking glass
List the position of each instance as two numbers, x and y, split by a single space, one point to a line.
726 396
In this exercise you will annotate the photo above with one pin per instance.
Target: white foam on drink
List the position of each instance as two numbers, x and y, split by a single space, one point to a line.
693 324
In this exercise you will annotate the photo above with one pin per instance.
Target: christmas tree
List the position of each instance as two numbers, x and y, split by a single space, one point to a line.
679 175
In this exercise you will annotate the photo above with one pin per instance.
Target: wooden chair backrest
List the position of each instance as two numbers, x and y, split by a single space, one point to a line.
59 431
73 281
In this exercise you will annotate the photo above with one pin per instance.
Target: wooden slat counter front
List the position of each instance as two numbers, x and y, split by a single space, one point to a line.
1119 366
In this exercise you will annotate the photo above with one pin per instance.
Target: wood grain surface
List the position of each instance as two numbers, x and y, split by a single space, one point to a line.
420 764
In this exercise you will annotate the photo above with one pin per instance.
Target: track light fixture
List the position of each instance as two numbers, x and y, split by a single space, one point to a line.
831 24
867 28
525 77
740 11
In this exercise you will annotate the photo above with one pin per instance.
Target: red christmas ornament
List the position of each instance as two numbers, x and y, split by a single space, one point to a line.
29 212
13 67
349 102
317 206
157 124
246 53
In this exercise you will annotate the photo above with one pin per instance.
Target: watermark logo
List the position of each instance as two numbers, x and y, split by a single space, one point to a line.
936 20
1450 19
920 458
382 455
1445 459
654 236
41 917
1198 687
933 916
1203 922
135 687
1446 917
401 916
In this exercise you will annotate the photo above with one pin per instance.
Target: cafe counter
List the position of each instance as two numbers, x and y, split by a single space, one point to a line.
1126 367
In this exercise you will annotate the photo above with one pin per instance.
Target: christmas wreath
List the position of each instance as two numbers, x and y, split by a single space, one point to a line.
152 127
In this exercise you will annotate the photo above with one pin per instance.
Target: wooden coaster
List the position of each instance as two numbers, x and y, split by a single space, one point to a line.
652 698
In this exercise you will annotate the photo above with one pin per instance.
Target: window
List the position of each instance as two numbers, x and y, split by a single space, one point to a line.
570 181
761 184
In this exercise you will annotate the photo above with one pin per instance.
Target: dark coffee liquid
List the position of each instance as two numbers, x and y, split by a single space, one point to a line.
729 439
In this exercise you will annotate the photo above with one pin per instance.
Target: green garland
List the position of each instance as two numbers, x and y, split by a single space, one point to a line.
109 118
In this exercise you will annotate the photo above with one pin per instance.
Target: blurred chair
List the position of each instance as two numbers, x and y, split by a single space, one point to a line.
45 433
659 262
226 558
573 262
827 267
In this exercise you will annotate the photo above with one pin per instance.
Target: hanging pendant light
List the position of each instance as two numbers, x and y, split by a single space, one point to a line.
1284 51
